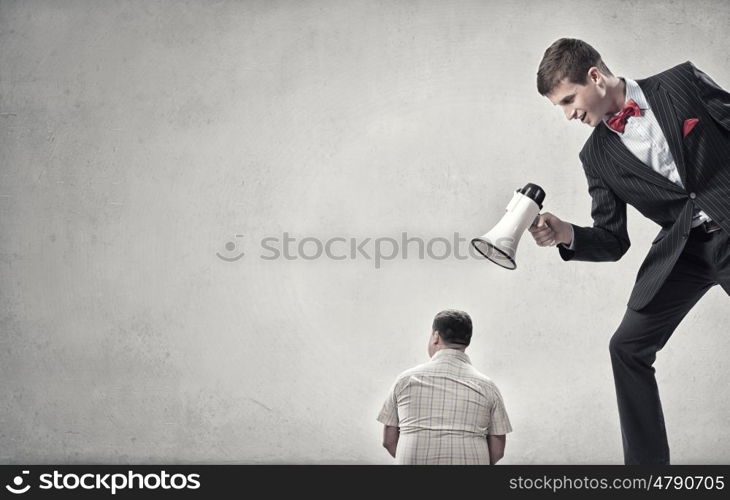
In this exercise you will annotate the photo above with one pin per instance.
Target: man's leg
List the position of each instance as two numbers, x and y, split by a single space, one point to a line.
634 346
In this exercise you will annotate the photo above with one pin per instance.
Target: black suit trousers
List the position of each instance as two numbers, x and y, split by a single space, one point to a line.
704 262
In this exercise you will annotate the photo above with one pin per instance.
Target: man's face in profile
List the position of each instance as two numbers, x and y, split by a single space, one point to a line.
585 102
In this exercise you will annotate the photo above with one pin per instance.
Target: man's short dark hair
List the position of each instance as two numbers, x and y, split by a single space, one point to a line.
454 326
567 58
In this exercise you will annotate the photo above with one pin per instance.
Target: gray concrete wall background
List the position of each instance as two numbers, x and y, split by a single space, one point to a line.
137 139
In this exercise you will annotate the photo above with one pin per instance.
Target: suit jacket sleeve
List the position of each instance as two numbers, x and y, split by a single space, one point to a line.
716 100
608 239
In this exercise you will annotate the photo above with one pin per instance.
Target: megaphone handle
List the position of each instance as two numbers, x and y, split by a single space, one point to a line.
537 220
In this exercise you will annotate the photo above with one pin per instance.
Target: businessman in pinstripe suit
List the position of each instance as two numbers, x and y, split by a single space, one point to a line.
662 145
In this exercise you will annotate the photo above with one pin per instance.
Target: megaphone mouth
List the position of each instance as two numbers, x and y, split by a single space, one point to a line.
494 253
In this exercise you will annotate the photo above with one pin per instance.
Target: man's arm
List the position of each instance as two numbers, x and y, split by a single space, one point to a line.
388 416
496 447
390 438
499 426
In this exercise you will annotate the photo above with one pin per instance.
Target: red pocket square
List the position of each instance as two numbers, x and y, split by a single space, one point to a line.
689 124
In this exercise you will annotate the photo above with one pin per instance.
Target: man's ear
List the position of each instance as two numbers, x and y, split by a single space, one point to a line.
437 339
594 74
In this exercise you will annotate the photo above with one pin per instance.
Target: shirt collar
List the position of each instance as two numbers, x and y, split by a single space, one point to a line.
451 353
633 91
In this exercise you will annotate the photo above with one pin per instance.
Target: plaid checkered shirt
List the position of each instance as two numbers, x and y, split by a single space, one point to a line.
444 408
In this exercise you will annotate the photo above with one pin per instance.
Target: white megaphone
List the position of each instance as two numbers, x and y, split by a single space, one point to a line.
500 244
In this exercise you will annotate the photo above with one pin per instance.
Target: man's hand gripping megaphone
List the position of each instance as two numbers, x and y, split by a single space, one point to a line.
548 230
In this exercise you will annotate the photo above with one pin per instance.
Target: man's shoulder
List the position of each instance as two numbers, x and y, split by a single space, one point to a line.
684 69
676 79
441 367
486 381
466 374
415 370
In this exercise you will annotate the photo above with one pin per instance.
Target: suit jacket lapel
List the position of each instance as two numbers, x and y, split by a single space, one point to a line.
618 154
661 104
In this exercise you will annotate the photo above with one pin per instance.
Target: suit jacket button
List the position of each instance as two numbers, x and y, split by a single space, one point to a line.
692 195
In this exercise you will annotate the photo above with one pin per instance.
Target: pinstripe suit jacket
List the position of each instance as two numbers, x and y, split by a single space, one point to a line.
616 177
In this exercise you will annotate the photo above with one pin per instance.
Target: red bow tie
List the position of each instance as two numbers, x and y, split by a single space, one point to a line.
618 121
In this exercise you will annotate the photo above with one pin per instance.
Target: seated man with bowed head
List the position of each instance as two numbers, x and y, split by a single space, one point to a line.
445 411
